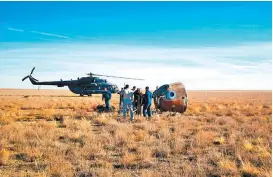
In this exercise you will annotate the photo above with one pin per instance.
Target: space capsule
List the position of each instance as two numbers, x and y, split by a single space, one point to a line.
171 97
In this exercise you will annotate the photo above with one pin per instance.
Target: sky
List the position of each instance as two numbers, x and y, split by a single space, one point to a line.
204 45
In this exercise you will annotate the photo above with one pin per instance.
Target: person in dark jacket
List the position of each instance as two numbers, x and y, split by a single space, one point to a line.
138 100
120 98
106 96
136 93
148 97
134 101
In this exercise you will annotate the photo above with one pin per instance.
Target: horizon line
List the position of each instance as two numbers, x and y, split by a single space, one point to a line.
266 90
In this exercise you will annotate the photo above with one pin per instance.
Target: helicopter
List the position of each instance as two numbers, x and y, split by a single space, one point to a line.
83 86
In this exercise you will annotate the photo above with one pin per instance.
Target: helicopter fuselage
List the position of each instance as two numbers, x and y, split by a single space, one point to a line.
90 88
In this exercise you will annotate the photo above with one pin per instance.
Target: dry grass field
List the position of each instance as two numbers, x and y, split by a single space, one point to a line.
56 133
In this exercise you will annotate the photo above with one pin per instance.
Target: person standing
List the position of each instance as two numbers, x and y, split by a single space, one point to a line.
128 98
147 103
134 101
106 96
138 101
120 98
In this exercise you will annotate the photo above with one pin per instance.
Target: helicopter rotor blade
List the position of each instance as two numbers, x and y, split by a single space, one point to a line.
115 76
25 78
32 70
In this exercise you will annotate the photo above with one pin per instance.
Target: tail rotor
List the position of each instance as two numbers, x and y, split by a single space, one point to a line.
25 78
29 75
32 70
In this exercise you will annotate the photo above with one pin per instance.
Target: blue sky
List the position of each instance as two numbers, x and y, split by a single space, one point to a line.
206 45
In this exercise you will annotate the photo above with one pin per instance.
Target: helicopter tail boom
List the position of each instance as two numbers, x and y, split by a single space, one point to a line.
36 81
33 80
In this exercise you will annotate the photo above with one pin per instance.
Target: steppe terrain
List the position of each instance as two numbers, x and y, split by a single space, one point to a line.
56 133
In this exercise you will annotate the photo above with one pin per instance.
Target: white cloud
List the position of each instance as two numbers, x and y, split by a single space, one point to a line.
50 34
14 29
247 66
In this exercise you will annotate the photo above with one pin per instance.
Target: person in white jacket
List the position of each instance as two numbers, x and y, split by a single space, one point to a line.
128 98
